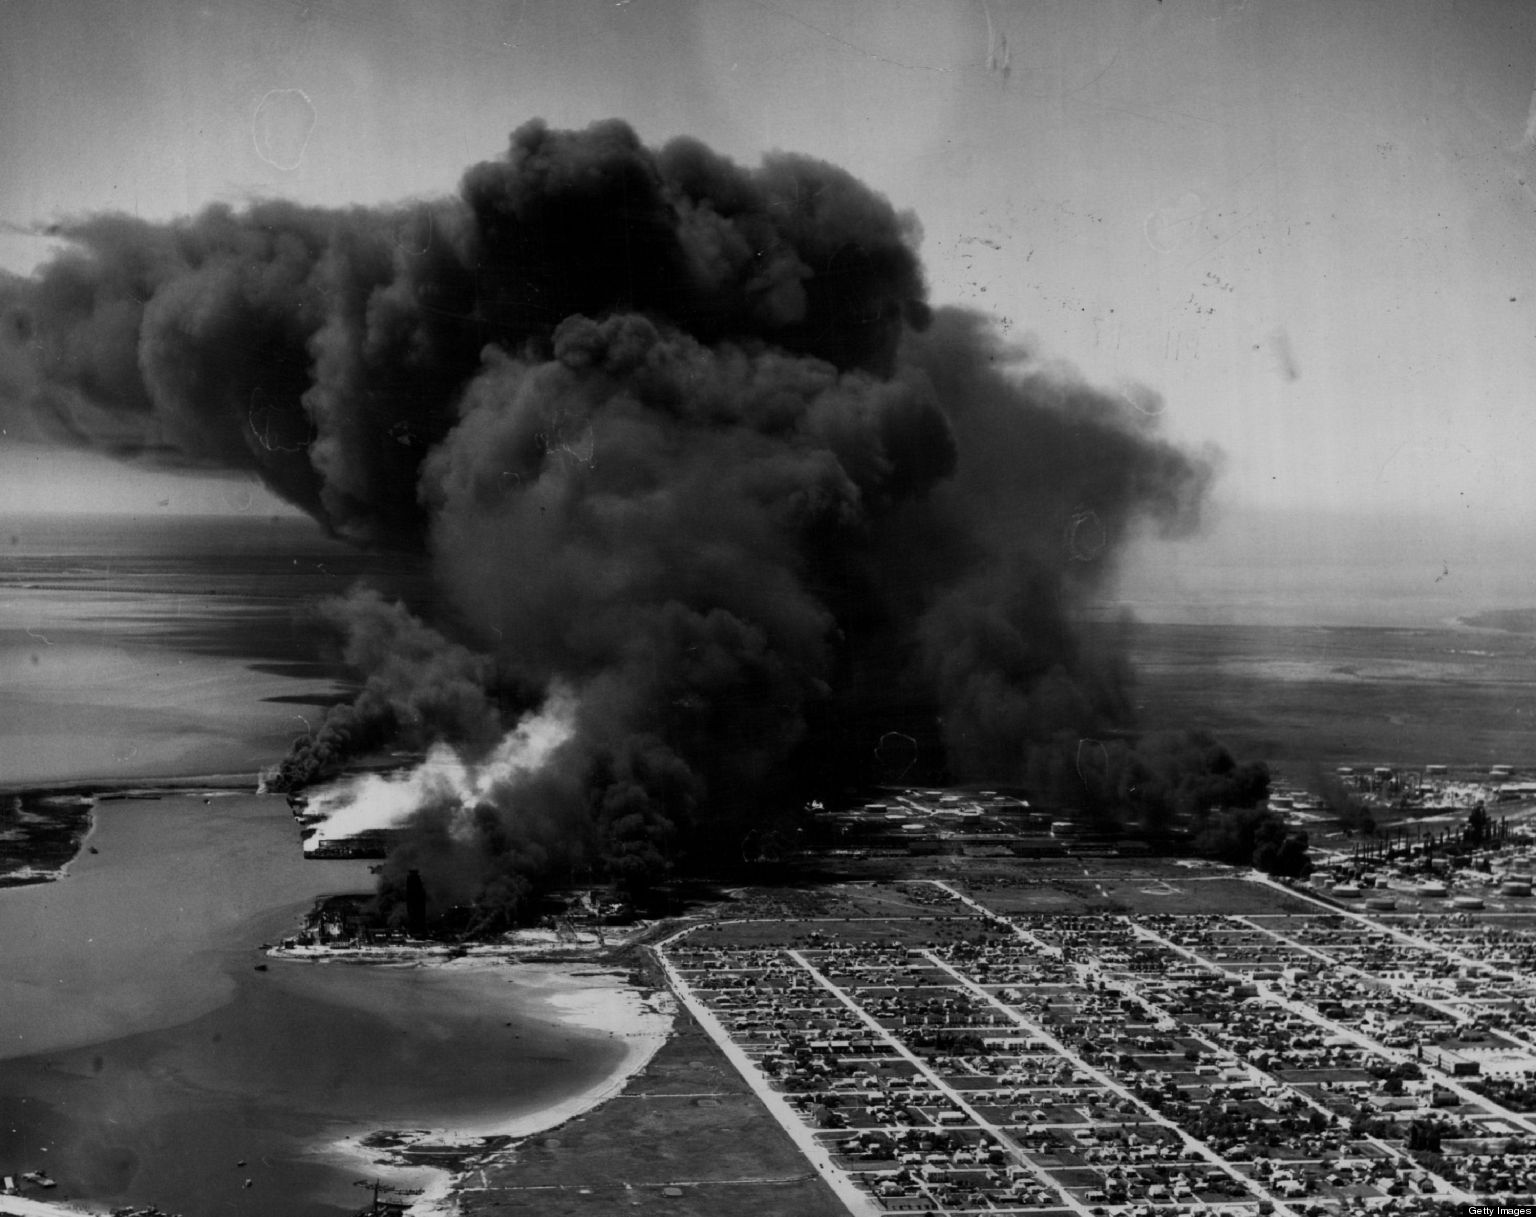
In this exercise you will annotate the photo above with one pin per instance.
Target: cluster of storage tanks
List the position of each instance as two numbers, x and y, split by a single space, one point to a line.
1379 901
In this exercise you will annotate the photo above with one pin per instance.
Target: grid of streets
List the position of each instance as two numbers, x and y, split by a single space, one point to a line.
1301 1065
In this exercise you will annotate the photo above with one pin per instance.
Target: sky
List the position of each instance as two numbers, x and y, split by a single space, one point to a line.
1302 233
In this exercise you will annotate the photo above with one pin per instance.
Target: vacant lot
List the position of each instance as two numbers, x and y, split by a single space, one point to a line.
1112 885
909 932
1302 697
687 1125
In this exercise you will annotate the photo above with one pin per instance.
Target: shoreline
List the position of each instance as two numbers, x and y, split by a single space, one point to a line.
428 1166
135 788
577 985
93 794
590 995
120 789
249 781
27 1206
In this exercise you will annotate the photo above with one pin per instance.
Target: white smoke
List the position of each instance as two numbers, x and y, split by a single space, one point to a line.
387 800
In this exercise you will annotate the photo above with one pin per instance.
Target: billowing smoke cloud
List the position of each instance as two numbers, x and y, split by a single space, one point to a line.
680 437
418 688
445 780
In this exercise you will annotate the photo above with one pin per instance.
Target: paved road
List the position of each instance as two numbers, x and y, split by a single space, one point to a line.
1310 1014
1192 1146
1428 945
949 1092
857 1202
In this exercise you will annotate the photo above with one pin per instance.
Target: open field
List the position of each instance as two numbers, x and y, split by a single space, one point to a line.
1099 1038
1110 885
1040 885
1116 1062
1303 696
688 1123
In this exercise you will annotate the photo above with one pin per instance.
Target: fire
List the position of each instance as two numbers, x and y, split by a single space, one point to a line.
371 801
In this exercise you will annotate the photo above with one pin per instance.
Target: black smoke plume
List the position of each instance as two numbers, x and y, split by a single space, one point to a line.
682 439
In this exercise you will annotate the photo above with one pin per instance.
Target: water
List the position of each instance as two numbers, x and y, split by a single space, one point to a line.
148 1056
142 1056
1253 567
139 649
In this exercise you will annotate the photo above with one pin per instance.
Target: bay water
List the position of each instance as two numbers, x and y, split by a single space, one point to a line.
143 1057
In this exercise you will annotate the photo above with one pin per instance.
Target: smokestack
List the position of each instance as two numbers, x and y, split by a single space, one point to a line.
415 904
679 439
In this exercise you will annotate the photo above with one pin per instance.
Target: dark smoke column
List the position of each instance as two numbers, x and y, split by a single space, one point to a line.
415 904
682 440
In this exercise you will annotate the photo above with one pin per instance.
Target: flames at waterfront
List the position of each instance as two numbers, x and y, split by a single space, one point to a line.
445 779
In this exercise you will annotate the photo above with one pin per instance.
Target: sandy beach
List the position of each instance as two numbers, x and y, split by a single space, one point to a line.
144 1058
576 995
25 1206
133 1018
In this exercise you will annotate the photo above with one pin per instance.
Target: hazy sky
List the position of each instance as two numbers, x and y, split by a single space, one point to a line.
1307 226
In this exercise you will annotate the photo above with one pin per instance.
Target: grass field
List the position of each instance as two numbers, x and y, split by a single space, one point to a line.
1114 885
686 1125
1298 697
908 932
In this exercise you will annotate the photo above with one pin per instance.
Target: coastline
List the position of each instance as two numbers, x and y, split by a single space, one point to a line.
47 832
560 983
136 788
91 794
166 682
27 1206
591 995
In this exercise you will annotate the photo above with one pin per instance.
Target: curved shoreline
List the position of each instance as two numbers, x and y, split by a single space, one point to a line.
116 789
426 1166
587 994
608 1003
29 874
623 1023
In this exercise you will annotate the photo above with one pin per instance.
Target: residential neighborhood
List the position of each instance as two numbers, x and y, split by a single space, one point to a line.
966 1060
